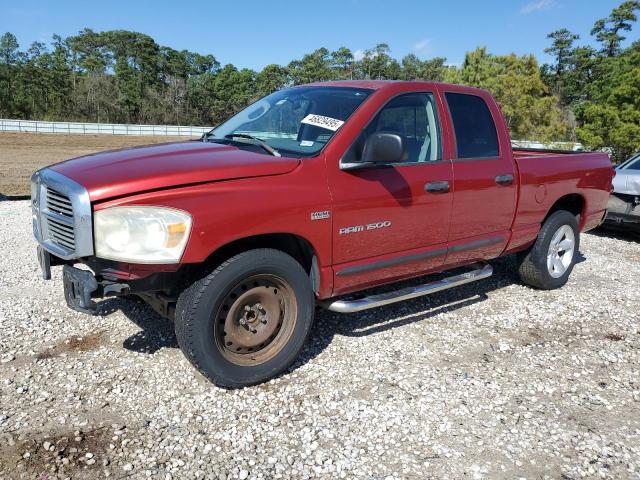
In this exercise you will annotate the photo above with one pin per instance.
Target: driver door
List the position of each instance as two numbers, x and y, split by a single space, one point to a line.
391 221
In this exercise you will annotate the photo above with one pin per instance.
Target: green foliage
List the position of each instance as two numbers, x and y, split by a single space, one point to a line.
608 30
313 67
375 62
601 86
415 69
272 77
516 83
561 49
612 118
8 49
342 62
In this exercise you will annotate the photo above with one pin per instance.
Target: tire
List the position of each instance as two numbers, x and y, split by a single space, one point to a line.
537 267
247 321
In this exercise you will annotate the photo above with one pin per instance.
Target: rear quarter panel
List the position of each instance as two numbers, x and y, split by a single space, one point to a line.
545 179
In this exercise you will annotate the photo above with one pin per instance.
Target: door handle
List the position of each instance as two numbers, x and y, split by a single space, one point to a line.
506 179
437 187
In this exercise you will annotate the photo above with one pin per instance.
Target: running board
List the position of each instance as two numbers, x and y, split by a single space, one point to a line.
349 306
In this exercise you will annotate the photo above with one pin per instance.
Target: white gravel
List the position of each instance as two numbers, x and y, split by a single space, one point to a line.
489 380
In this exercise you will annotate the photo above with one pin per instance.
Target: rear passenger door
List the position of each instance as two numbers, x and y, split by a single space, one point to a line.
484 182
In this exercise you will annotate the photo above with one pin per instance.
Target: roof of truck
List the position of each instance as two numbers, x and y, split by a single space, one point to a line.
381 84
371 84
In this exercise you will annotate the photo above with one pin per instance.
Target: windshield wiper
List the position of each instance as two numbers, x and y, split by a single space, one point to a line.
255 141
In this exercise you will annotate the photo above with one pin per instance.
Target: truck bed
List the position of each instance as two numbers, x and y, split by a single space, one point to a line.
519 152
547 175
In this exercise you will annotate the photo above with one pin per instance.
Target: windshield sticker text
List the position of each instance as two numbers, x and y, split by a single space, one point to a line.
321 121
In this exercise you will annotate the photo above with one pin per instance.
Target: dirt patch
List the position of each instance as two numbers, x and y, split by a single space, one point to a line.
77 454
21 154
84 343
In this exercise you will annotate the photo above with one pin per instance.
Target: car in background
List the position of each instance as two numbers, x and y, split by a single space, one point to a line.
624 202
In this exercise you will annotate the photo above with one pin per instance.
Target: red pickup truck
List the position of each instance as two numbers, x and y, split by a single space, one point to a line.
304 198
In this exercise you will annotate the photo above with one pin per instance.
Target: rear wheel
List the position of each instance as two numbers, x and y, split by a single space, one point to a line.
548 264
247 321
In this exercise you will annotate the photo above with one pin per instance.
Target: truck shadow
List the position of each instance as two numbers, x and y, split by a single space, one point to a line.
157 332
13 198
624 233
370 322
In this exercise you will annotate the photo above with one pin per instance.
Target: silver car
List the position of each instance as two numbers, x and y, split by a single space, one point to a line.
624 202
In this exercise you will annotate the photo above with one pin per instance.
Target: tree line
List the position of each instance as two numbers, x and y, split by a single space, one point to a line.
587 94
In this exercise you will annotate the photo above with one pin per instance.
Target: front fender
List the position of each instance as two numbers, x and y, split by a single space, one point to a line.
226 211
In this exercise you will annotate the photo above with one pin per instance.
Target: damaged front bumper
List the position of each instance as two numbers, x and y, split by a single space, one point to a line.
104 279
80 285
79 288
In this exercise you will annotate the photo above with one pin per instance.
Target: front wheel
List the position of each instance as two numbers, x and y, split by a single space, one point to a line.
247 321
548 264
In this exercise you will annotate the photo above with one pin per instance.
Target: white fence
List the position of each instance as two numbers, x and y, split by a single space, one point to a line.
78 128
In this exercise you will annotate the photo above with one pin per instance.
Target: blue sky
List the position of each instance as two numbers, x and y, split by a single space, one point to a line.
255 33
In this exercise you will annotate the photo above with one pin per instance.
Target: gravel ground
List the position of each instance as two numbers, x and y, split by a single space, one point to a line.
491 380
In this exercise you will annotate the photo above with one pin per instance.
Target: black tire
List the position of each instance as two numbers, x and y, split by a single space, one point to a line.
532 264
201 307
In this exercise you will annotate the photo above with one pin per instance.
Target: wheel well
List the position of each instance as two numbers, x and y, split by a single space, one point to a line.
573 203
291 244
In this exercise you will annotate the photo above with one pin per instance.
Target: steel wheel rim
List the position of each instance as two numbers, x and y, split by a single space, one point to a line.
255 320
561 251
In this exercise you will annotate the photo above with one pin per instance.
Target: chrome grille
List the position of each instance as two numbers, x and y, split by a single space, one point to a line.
60 226
61 233
62 221
58 202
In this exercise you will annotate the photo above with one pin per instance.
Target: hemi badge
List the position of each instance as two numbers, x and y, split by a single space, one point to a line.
320 215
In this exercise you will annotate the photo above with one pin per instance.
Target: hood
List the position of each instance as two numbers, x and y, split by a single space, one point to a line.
133 170
627 181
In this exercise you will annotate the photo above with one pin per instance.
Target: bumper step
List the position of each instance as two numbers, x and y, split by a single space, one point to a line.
481 271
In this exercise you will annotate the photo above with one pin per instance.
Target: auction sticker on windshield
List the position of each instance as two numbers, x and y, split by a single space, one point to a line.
323 122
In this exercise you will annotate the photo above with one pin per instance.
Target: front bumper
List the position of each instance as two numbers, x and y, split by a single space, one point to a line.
79 287
104 279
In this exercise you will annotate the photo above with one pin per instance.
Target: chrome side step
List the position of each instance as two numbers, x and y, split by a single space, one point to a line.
481 271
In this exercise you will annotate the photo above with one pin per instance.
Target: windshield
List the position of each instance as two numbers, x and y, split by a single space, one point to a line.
632 164
295 122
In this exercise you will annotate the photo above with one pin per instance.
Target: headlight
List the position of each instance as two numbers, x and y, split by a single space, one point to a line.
141 234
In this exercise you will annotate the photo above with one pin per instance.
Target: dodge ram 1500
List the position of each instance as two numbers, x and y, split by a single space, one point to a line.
310 196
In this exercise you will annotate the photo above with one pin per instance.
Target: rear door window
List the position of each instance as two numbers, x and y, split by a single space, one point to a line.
474 128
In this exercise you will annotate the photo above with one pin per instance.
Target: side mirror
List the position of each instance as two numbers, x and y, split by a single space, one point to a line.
383 147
